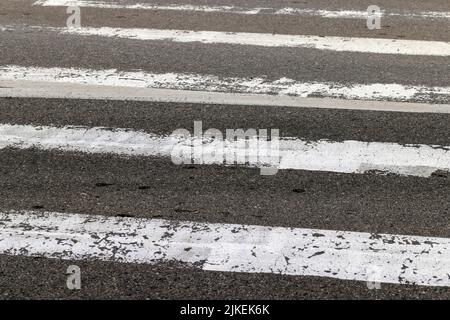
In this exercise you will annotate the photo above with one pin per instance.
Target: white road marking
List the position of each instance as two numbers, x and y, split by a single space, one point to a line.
331 43
355 14
228 247
149 6
345 157
211 83
56 90
345 14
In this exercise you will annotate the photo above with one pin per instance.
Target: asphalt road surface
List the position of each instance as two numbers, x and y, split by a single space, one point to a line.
87 178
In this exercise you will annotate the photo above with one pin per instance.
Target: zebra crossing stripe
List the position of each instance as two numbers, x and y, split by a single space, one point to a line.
294 153
229 247
277 88
329 43
341 14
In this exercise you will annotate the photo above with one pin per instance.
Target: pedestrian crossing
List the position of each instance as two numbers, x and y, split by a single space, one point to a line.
291 153
212 83
229 248
340 44
407 259
341 14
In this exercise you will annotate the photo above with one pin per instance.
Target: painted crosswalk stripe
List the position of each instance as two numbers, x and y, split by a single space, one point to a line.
59 90
330 43
347 156
211 83
343 14
229 247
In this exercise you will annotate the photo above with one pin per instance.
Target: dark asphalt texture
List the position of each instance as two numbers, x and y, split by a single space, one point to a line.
155 188
31 47
22 278
20 12
164 118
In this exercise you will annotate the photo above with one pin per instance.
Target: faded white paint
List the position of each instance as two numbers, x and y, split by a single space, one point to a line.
198 82
345 157
340 44
355 14
59 90
150 6
343 14
358 256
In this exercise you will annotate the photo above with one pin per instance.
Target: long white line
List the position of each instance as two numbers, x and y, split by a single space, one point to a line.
292 153
329 43
211 83
55 90
344 14
332 43
229 247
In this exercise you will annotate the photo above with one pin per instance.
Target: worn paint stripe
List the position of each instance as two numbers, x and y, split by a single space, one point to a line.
55 90
347 156
331 43
229 247
342 14
212 83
